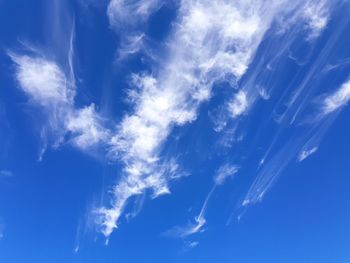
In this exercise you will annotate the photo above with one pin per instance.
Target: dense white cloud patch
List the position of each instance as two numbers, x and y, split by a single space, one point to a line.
298 148
43 81
239 104
337 99
192 227
129 19
86 126
132 44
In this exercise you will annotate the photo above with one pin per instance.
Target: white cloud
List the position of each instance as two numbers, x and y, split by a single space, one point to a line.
211 41
316 15
48 87
86 126
43 81
239 104
306 153
224 172
132 44
264 93
337 100
125 13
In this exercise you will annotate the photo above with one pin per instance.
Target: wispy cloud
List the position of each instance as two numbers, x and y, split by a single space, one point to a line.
299 146
212 41
53 91
306 153
43 81
87 128
124 13
222 174
129 20
337 100
316 15
192 227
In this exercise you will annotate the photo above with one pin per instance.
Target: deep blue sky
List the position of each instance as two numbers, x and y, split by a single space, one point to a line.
174 131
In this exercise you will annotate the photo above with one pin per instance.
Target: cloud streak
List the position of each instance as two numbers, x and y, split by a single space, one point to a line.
224 172
337 100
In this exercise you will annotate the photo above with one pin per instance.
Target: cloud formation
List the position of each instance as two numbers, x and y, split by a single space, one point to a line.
337 100
212 41
48 87
126 13
224 172
306 153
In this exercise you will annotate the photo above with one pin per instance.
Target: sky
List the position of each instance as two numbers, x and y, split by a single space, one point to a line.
174 131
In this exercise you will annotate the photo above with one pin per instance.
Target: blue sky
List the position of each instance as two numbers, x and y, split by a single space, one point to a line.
174 131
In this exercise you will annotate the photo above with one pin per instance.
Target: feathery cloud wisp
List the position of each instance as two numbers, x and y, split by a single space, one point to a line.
306 153
124 13
224 172
316 15
337 99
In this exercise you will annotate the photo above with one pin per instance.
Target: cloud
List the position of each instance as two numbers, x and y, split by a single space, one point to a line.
43 81
299 146
224 172
316 15
211 41
87 128
192 244
53 91
336 100
129 20
47 87
192 227
306 153
188 230
125 13
239 104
